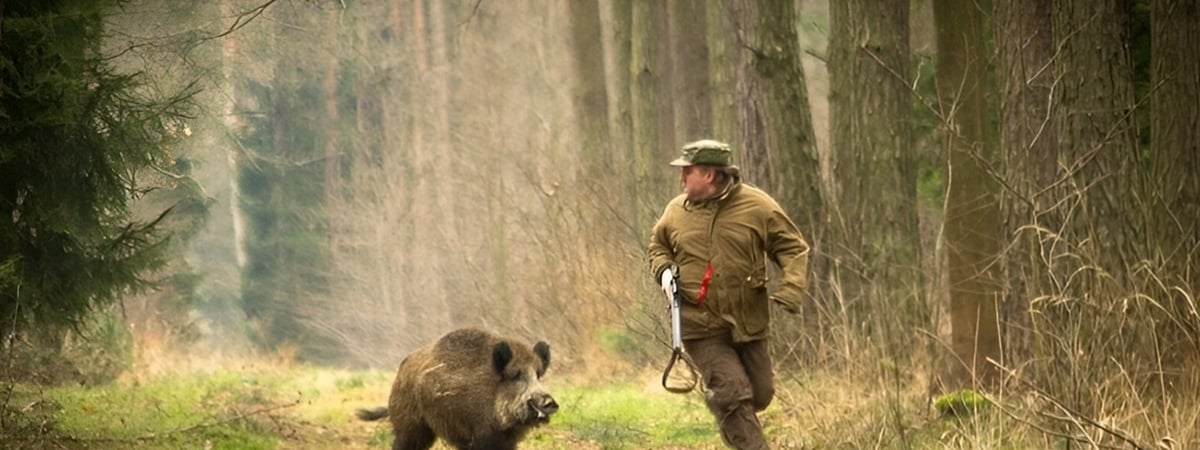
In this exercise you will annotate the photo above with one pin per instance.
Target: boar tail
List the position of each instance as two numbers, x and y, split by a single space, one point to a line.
372 414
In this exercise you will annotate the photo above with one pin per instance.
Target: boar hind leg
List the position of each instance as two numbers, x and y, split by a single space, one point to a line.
502 440
415 437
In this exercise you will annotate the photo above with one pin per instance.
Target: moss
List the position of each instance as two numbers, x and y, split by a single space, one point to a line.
961 403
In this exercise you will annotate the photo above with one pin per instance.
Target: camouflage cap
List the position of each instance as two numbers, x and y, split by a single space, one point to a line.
705 151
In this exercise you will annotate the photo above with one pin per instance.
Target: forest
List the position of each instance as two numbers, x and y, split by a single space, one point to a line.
1001 199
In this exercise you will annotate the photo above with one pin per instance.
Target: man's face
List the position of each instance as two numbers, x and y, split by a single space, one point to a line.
698 182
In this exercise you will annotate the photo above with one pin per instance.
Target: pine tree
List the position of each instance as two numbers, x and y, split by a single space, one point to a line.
76 139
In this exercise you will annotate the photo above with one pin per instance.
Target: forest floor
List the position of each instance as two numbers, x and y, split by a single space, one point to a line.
298 407
269 406
256 407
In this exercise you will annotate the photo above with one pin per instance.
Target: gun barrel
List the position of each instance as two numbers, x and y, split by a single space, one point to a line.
676 326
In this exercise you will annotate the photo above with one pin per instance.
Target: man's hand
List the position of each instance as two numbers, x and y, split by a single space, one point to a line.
668 282
790 308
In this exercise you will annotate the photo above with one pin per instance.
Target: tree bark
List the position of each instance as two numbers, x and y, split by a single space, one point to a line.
776 122
591 97
689 65
722 71
653 120
1096 129
1175 134
1099 243
620 53
972 215
1029 154
776 138
875 218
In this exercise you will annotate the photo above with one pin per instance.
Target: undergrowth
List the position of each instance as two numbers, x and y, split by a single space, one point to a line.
300 407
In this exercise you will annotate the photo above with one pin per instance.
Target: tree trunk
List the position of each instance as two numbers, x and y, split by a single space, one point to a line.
1 41
875 217
972 216
776 138
333 139
590 100
1096 129
1083 329
1175 133
1029 154
429 168
692 97
776 123
653 119
722 72
625 153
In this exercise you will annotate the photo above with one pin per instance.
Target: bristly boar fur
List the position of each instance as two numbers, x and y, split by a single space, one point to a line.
471 388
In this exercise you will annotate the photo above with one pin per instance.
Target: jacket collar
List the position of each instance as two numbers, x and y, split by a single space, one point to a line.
730 186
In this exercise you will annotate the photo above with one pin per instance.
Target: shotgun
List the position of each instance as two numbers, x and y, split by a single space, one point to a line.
674 300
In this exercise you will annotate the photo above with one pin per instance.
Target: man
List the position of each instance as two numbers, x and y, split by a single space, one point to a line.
718 234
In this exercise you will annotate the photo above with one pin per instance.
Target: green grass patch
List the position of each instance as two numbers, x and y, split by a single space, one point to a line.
627 416
254 408
221 410
312 408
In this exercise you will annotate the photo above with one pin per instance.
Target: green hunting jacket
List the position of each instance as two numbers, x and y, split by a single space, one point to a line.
737 231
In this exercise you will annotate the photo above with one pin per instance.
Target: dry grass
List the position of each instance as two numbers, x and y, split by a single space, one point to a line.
272 402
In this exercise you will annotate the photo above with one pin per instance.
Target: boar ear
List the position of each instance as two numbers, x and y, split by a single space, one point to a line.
501 355
542 349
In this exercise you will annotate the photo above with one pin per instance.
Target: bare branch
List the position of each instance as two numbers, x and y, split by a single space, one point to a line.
242 20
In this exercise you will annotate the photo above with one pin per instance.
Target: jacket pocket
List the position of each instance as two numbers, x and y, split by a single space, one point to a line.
753 309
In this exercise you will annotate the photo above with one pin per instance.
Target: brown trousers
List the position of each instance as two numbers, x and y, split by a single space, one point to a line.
740 383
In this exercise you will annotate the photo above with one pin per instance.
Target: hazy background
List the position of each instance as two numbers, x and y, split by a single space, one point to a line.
381 172
999 195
